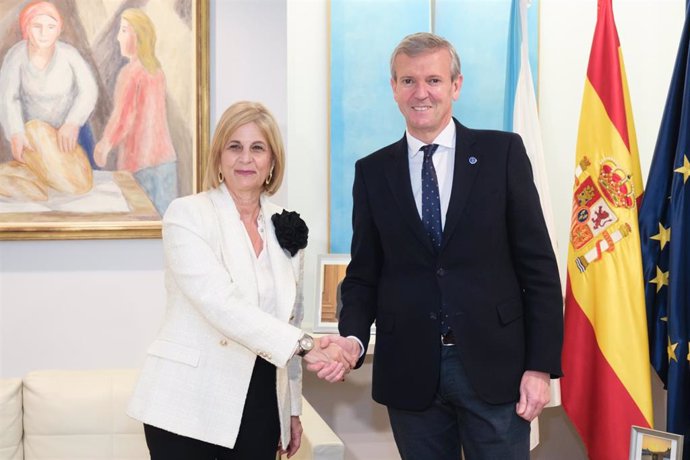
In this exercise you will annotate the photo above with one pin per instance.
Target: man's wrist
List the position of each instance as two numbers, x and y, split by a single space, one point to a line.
358 342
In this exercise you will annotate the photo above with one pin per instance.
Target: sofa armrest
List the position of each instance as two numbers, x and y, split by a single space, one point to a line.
81 414
319 442
11 419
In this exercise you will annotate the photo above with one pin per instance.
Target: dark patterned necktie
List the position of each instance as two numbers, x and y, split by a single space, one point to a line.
431 203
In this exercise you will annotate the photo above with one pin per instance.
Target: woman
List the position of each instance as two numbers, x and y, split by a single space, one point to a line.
45 79
209 387
138 122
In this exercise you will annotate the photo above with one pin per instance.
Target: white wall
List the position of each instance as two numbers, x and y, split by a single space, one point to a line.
93 304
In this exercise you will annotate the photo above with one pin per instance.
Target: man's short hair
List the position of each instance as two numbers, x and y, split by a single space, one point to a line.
425 42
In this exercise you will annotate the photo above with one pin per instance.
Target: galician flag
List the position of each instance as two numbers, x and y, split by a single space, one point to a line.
522 117
606 386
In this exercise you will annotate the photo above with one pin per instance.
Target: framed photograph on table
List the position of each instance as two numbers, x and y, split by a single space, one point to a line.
646 444
331 272
105 115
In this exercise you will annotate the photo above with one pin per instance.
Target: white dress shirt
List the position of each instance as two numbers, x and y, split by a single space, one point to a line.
444 162
263 271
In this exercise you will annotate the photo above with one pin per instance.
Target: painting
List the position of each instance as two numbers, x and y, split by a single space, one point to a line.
364 116
104 115
646 444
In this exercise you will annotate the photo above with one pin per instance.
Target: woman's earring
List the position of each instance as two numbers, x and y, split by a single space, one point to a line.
270 176
220 176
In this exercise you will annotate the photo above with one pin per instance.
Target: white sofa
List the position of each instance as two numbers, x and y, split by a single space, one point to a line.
71 415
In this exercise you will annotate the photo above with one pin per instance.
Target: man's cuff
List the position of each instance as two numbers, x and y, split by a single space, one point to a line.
361 347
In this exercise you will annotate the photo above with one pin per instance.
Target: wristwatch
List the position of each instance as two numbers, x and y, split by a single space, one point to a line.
306 343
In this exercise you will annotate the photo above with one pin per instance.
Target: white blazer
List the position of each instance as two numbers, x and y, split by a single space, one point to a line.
195 377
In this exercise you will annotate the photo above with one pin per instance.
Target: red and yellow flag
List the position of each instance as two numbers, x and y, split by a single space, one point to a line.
606 385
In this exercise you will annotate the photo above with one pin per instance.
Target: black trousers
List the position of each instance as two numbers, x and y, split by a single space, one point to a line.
259 430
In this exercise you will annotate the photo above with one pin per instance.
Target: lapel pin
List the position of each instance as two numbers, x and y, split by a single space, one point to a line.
472 160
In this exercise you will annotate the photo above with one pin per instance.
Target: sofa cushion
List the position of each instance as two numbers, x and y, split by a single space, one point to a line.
70 415
11 419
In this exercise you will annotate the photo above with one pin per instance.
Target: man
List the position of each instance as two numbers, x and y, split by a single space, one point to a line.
452 260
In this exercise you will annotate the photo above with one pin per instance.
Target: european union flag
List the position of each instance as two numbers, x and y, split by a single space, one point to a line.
665 237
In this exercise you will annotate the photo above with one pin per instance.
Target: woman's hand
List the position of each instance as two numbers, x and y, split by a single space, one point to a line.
295 437
67 137
327 367
19 143
329 360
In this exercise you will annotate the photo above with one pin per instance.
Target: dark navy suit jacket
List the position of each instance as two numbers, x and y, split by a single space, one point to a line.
495 273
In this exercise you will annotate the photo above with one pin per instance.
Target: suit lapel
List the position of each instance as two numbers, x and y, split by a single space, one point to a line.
467 165
235 251
398 176
238 259
281 264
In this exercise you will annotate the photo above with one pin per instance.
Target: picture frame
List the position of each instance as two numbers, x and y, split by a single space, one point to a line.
331 270
648 444
124 199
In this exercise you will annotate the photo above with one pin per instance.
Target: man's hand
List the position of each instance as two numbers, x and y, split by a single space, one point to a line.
67 137
351 347
328 361
534 394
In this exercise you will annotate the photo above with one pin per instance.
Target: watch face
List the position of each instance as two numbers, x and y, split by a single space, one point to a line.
307 343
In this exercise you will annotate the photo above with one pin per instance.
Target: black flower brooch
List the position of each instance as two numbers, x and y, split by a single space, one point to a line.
291 231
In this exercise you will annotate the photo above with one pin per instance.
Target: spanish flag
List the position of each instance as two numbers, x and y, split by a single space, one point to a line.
606 386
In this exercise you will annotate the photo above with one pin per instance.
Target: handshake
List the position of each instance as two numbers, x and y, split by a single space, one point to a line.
333 356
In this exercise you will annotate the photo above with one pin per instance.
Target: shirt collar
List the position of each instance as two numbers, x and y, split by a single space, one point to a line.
446 138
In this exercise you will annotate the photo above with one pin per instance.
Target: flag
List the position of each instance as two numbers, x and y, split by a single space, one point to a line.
665 237
521 116
606 386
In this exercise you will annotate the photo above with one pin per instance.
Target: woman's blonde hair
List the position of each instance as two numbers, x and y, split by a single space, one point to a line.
146 37
239 114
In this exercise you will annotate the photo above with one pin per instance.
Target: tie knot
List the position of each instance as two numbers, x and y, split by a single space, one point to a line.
429 150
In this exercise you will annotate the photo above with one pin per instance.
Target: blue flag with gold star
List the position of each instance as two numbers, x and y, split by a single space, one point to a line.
665 236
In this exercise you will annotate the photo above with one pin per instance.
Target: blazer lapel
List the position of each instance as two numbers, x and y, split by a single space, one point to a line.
235 251
398 176
281 264
467 165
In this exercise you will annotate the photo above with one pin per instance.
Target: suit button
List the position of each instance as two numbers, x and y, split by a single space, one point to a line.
440 272
224 342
